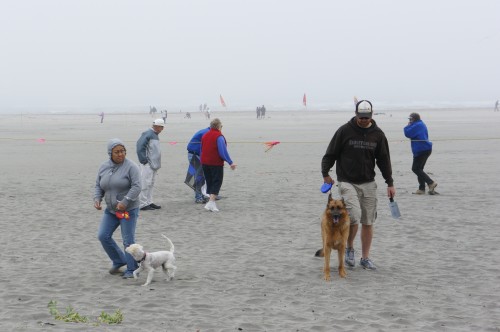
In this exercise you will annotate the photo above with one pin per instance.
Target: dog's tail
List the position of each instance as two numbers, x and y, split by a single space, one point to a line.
319 253
170 244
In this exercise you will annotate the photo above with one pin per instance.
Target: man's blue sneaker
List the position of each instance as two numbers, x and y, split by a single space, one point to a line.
349 257
367 264
127 275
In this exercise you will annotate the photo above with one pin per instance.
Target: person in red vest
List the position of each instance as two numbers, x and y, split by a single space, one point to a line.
213 154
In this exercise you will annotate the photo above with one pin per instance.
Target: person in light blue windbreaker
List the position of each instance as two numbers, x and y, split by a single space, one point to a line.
118 183
416 130
149 155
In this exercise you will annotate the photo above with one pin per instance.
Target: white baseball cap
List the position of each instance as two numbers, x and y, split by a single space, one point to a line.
364 109
159 122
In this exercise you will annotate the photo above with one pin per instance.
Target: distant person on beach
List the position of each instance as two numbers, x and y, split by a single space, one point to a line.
102 116
119 184
258 112
421 147
213 154
356 148
149 155
152 110
496 106
188 115
164 116
194 151
263 112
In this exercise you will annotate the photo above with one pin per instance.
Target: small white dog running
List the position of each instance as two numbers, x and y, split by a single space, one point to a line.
149 261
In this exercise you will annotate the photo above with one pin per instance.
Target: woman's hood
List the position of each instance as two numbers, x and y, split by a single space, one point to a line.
112 143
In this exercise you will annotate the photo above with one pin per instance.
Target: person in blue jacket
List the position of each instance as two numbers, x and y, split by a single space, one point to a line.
416 130
194 151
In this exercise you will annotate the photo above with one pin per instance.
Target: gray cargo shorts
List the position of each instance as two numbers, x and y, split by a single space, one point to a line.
361 201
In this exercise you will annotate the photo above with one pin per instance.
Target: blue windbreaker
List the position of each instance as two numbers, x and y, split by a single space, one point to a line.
417 132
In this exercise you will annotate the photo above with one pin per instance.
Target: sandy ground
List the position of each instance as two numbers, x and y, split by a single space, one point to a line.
251 266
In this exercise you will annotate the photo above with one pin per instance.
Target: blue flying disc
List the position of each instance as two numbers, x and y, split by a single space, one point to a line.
326 187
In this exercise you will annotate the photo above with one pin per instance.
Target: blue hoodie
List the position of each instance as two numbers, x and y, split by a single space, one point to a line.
118 182
417 132
194 145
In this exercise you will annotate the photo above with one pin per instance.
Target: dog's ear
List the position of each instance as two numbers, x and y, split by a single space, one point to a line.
329 199
343 202
131 249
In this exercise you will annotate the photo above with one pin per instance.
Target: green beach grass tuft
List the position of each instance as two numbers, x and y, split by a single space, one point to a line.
74 317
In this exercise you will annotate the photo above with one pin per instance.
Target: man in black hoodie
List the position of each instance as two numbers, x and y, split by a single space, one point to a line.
356 148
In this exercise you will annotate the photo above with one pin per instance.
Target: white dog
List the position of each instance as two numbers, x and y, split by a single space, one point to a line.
149 261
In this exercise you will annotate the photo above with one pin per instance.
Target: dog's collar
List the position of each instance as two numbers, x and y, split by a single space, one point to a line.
143 258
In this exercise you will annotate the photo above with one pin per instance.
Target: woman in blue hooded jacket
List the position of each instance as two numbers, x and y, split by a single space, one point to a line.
118 183
416 130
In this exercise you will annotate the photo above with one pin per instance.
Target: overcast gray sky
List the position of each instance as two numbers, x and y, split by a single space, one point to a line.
114 53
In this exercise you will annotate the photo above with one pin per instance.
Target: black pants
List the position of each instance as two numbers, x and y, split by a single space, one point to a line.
418 169
213 176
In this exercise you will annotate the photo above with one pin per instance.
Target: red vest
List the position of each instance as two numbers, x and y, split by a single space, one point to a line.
209 151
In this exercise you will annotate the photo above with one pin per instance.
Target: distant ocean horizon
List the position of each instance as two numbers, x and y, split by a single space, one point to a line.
345 106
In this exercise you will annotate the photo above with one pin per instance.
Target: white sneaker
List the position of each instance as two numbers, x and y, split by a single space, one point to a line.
214 208
210 206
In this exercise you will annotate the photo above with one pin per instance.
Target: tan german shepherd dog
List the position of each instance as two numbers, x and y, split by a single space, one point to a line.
334 231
